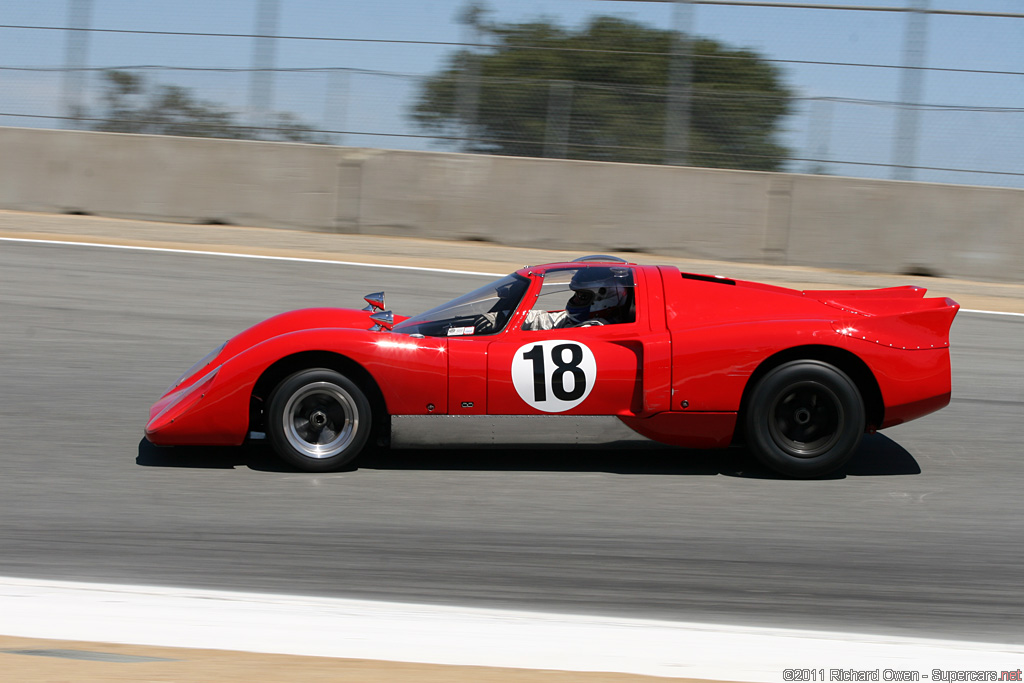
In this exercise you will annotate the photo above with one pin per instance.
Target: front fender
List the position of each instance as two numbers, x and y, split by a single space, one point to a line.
412 375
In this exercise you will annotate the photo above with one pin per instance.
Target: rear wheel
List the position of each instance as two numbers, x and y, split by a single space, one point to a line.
804 419
318 420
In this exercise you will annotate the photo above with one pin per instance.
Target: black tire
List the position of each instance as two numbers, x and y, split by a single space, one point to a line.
318 420
804 419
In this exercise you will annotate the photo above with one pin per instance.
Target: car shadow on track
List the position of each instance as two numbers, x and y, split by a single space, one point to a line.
253 456
877 455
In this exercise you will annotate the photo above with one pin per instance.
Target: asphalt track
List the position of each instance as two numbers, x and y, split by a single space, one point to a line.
920 535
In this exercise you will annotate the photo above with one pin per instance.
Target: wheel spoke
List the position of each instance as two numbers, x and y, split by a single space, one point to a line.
302 428
805 419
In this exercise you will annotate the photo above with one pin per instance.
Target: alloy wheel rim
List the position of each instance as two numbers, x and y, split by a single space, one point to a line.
806 419
320 420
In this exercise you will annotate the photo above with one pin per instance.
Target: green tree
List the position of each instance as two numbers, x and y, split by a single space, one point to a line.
612 78
131 105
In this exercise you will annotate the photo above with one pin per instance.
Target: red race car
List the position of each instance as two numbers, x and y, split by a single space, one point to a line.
594 350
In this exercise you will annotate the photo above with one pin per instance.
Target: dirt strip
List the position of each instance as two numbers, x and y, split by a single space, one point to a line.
28 660
466 256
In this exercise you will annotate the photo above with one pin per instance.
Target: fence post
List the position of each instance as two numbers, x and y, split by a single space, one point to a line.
680 85
556 131
261 85
76 52
336 104
911 79
467 93
819 135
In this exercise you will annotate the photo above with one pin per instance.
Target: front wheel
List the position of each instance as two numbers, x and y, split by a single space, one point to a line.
318 420
804 419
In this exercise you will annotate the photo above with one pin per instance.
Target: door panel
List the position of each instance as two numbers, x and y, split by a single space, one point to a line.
576 371
467 375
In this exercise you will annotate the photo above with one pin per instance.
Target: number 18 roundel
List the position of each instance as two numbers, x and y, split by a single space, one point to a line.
554 375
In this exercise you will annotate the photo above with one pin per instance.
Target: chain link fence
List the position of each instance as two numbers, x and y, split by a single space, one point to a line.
898 89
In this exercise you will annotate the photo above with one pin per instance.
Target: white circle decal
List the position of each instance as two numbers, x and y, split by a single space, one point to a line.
554 375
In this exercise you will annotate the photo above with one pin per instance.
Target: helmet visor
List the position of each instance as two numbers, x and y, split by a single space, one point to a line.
582 297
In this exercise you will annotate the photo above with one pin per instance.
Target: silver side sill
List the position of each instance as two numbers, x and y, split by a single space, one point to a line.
432 431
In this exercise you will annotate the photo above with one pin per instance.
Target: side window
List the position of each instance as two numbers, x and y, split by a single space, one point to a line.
554 291
481 312
585 296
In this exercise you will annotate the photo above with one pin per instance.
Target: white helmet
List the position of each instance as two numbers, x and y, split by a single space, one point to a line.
600 292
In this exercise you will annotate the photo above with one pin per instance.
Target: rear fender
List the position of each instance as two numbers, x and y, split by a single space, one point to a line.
845 360
703 381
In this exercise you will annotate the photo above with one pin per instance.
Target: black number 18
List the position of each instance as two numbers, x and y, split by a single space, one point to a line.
579 378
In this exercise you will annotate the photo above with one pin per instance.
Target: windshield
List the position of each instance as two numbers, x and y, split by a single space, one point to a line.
482 311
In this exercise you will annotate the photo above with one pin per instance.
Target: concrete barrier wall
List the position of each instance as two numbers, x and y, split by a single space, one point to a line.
845 223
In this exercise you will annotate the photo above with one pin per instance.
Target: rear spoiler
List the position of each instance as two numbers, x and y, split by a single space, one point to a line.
904 292
904 321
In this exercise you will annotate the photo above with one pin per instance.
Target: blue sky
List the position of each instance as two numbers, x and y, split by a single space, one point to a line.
854 132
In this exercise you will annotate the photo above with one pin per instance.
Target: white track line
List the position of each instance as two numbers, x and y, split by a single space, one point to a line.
289 624
980 312
194 252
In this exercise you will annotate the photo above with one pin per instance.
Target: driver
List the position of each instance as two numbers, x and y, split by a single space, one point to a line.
601 296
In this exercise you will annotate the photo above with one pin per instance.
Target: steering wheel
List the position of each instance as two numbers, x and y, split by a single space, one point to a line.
488 323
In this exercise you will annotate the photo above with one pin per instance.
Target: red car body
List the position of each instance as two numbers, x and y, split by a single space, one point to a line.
683 371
